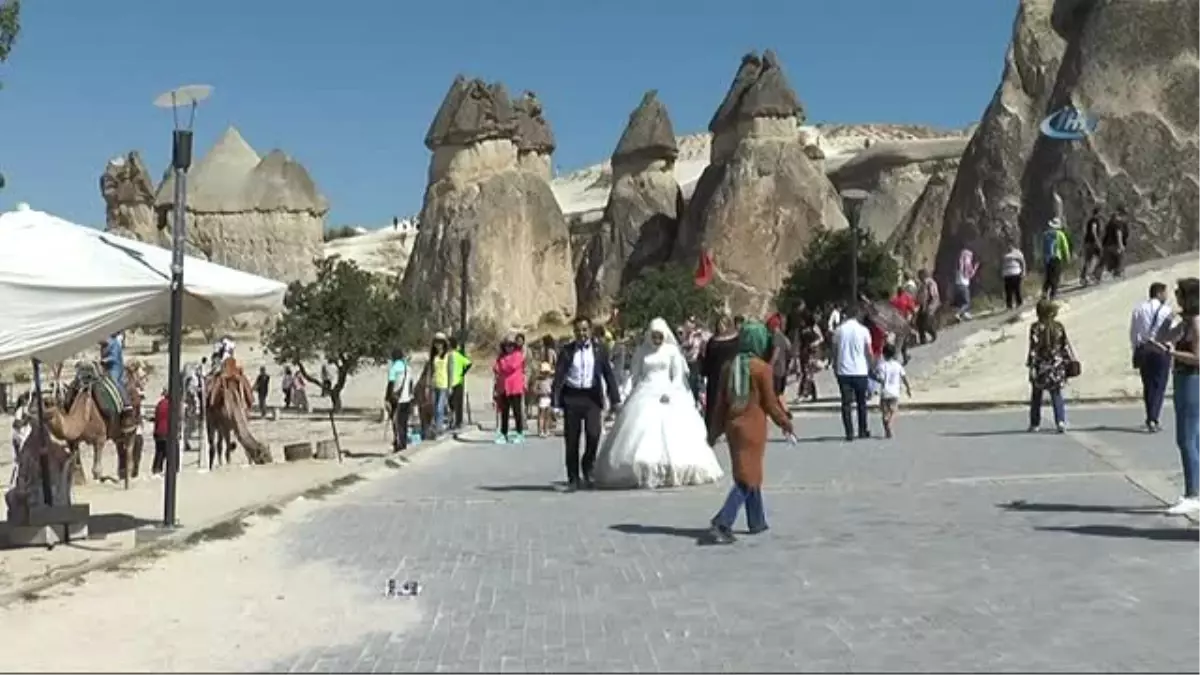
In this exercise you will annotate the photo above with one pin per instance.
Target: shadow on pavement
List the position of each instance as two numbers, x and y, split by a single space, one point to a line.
1123 532
700 534
547 487
812 439
1050 507
989 432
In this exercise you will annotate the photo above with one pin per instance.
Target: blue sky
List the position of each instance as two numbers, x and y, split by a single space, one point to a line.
349 88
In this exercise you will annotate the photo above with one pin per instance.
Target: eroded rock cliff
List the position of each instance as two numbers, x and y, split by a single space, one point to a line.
759 202
641 219
520 259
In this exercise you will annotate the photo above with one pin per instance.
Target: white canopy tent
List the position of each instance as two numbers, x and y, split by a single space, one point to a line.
64 287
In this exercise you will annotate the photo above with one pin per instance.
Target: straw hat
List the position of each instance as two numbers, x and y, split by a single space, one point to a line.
1056 223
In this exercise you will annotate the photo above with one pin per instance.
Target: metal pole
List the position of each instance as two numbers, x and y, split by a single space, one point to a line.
464 287
181 155
44 459
854 261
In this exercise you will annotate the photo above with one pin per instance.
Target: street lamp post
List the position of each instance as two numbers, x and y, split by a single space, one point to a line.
852 201
183 98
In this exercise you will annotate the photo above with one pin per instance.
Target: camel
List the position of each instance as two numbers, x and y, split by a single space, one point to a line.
229 397
80 418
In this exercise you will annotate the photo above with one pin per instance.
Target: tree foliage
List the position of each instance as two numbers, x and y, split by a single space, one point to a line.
823 274
348 316
10 26
667 291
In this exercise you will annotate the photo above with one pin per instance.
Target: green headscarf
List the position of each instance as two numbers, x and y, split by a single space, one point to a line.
754 340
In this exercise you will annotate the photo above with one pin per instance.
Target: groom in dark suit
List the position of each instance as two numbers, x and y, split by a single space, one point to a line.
582 374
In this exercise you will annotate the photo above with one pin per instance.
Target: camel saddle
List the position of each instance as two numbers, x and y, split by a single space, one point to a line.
229 374
106 392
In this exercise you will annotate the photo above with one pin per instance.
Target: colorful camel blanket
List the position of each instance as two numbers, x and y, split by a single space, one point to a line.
106 392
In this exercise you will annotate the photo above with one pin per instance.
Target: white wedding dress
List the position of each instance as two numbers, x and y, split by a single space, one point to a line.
656 444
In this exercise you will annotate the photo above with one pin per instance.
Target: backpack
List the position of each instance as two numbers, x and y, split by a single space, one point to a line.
1050 244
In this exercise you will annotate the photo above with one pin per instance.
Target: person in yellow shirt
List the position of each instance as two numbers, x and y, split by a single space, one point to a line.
459 364
439 363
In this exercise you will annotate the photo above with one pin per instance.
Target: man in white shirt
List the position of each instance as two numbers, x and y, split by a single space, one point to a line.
1154 365
851 347
583 376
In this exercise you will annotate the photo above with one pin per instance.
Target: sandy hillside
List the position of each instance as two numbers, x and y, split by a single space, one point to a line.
990 365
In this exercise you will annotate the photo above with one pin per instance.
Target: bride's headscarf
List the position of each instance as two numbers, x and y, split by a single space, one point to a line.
658 325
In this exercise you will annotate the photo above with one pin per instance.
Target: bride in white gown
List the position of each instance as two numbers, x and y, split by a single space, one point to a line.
659 439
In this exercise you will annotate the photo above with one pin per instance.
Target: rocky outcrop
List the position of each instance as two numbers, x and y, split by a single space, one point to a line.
520 256
128 192
894 174
914 241
260 215
985 201
534 138
641 219
759 202
1135 67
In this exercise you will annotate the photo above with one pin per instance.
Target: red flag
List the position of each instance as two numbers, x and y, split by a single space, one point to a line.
704 270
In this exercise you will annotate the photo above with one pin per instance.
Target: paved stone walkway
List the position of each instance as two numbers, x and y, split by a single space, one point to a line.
961 545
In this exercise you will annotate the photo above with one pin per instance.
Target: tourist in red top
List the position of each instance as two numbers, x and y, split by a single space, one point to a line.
905 303
162 412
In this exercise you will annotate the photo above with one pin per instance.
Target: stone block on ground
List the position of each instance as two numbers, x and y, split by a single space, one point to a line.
294 452
326 449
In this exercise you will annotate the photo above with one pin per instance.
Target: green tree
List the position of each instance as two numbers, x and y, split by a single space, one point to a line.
346 315
823 274
667 291
10 27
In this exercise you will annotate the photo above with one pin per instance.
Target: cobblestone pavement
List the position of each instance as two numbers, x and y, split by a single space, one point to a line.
965 544
961 545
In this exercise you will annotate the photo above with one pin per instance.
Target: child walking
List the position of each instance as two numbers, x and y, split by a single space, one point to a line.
545 379
890 375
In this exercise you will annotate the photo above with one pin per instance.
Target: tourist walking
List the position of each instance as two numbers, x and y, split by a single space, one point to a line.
1181 342
1056 253
399 397
543 388
745 401
287 384
964 274
929 301
808 353
1012 268
1114 242
440 365
718 350
890 375
692 341
1049 360
460 364
582 378
1154 365
1092 250
262 387
851 349
781 353
509 371
162 432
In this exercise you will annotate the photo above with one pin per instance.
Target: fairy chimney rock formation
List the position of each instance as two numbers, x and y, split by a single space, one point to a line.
760 201
261 215
534 139
641 219
984 206
128 192
519 266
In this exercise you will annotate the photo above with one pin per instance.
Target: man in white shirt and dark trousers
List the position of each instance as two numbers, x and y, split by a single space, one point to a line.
582 374
1154 365
851 347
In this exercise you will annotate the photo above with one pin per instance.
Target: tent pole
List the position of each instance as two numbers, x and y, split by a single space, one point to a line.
181 159
44 459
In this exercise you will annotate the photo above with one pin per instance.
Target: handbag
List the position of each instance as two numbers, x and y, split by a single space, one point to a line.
1074 367
1139 352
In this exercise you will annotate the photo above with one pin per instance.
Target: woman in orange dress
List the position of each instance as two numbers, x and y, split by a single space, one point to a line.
745 401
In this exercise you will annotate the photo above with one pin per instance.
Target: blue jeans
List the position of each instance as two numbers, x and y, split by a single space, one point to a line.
1155 369
1035 406
1187 429
739 494
117 373
441 403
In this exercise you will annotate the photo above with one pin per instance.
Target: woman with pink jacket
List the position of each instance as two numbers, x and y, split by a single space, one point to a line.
510 390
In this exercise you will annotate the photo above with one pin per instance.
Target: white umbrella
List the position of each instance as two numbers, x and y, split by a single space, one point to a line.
64 287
